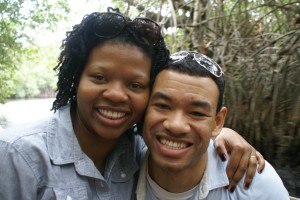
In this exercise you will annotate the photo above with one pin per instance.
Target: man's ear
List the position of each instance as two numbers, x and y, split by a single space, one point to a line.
219 121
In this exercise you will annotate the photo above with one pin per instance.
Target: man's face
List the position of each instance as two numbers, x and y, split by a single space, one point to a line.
181 119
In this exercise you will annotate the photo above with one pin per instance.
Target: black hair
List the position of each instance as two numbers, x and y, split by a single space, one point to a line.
79 43
190 67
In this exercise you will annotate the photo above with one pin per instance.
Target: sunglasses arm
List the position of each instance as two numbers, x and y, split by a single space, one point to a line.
113 9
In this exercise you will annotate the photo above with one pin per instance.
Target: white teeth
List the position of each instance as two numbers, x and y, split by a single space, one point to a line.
173 145
111 114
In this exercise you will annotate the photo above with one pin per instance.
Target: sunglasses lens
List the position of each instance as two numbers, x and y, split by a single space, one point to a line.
208 64
109 24
176 57
147 29
202 60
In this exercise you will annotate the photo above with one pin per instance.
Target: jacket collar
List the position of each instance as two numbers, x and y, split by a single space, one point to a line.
64 148
217 176
62 143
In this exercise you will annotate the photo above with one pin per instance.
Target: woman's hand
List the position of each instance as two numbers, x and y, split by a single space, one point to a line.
243 157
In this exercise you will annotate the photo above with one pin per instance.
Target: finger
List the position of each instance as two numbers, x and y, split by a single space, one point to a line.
241 168
234 161
231 186
250 171
261 162
221 150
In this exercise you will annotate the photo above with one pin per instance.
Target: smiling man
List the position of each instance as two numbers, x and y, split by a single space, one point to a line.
185 112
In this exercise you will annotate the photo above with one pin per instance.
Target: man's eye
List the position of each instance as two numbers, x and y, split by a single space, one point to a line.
162 106
197 114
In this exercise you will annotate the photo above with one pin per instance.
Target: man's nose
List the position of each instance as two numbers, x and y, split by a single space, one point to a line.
177 123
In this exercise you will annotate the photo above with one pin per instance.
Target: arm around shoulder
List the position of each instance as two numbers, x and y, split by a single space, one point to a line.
268 185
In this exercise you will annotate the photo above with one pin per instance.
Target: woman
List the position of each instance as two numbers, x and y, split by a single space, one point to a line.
88 149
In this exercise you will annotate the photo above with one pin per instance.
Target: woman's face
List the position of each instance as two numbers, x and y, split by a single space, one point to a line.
113 90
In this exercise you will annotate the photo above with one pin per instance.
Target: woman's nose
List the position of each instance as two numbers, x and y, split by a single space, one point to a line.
116 92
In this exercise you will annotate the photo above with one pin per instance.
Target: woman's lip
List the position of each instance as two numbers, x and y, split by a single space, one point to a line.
111 114
111 118
113 109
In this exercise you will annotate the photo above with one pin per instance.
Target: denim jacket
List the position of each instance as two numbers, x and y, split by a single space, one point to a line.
43 160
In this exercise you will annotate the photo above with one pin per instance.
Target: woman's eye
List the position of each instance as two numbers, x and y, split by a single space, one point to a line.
99 77
136 86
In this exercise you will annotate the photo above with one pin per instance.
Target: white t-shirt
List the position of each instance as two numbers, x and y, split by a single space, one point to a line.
155 192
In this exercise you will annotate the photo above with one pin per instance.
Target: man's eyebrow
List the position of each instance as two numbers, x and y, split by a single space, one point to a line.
160 95
202 104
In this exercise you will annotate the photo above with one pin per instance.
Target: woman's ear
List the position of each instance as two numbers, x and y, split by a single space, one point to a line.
219 121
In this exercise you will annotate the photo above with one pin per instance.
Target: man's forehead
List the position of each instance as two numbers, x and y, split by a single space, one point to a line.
179 86
167 78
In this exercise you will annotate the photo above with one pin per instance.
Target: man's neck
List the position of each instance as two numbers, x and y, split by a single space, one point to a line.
177 181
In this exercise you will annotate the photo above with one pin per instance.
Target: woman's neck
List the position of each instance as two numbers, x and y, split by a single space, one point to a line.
94 146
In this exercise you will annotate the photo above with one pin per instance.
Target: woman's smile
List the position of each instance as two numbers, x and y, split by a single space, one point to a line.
113 90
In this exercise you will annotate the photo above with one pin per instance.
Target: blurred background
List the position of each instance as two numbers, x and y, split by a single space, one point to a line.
256 42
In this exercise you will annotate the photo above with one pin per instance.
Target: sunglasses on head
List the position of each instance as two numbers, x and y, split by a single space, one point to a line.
201 59
110 24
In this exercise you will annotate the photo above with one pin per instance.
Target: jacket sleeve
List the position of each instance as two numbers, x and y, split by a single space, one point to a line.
141 149
17 179
267 185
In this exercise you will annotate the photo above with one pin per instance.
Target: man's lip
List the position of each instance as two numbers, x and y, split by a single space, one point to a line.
175 151
173 143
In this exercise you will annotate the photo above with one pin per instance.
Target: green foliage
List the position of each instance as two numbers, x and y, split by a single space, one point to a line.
16 17
6 82
35 75
120 4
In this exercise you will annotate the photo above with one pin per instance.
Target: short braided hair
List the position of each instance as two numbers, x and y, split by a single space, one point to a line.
77 46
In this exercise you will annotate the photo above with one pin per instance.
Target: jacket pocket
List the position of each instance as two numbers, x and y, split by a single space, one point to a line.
78 193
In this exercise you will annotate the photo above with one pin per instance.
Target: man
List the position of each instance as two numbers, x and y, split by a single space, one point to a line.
184 113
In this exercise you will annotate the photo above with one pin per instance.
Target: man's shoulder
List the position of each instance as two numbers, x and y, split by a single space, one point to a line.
267 185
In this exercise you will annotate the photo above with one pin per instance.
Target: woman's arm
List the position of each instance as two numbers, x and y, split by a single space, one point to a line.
243 157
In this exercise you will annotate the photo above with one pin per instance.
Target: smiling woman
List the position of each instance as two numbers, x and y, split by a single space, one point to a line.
102 92
99 84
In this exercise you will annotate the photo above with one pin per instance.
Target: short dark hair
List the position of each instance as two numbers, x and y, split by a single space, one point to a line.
79 43
191 67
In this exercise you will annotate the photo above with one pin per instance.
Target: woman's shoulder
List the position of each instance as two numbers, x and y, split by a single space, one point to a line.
22 131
